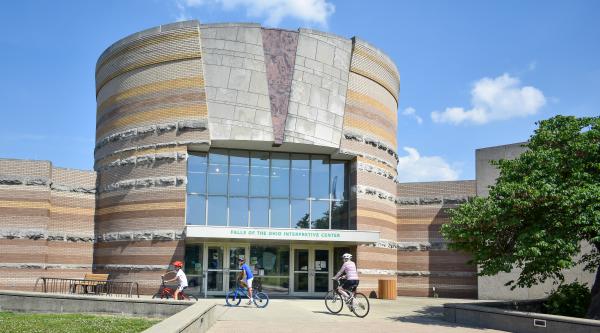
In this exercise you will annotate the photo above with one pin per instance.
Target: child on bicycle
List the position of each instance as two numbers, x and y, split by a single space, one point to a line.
246 278
349 270
180 278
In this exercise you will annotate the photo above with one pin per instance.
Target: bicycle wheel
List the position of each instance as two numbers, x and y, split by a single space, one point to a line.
232 300
189 297
157 295
360 305
260 299
334 302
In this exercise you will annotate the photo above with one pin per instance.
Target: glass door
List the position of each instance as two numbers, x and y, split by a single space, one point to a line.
312 271
222 267
214 269
320 274
301 271
235 253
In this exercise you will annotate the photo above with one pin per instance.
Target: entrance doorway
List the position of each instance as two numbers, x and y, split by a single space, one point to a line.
311 270
298 270
222 267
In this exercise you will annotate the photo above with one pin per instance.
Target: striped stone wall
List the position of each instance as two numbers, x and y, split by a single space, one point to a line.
369 134
46 222
424 262
151 106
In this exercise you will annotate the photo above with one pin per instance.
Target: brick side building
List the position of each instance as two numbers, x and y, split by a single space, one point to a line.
46 222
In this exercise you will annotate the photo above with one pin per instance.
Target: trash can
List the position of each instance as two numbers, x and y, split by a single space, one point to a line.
387 289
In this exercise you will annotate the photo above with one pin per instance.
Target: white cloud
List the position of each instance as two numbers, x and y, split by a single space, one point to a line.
411 112
416 168
495 99
273 11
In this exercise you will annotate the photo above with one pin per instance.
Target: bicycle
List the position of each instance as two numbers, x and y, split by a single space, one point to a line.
165 292
358 303
234 297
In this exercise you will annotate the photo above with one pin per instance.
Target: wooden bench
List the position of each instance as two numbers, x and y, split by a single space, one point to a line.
92 280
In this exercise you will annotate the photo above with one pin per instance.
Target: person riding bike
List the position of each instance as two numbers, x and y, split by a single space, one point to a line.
246 278
349 270
180 278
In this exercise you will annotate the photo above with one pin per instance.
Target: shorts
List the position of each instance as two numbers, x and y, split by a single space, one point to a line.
180 288
350 285
249 282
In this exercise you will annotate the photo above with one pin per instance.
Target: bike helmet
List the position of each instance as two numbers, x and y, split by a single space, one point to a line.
347 256
177 263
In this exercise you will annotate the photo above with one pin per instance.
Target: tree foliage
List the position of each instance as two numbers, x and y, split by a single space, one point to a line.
544 203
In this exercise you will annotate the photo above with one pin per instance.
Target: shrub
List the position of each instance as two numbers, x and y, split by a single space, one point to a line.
570 300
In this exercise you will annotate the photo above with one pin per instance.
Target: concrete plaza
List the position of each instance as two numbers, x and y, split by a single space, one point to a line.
406 314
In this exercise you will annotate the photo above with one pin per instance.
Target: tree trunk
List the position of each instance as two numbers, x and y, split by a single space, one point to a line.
594 308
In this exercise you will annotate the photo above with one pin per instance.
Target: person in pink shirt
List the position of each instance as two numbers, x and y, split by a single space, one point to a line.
349 271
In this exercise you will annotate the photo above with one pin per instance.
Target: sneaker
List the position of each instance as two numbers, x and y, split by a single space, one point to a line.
249 302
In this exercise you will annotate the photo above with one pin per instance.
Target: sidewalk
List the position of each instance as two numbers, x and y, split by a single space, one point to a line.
406 314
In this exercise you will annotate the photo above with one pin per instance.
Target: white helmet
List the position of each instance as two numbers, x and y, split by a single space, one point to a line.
347 256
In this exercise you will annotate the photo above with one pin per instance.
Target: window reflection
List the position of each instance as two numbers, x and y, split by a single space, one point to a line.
280 213
319 217
197 165
196 210
262 189
300 214
238 212
280 175
339 215
239 170
319 177
217 210
217 172
300 174
338 181
259 212
259 174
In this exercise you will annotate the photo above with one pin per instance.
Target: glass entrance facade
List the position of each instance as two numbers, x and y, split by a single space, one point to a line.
212 268
267 189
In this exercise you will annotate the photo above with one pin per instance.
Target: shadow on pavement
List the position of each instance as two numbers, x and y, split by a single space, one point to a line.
334 314
429 315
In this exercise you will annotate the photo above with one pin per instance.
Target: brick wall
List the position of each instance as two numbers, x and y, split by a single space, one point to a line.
424 262
46 222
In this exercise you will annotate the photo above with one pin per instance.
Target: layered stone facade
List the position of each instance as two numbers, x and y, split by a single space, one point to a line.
46 222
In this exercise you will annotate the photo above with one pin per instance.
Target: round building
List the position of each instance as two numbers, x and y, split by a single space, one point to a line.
221 141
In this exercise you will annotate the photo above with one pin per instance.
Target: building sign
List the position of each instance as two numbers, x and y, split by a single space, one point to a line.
354 236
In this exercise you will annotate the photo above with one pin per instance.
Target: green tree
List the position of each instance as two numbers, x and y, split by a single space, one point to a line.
543 205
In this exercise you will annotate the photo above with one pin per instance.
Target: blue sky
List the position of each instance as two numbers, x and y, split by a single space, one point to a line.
473 73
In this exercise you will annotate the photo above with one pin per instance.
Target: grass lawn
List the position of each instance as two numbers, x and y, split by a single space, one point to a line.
72 323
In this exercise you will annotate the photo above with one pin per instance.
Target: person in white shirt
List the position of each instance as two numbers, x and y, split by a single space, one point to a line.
180 278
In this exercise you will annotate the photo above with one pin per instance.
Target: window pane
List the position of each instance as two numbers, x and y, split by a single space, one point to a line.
280 175
238 212
259 174
280 213
338 180
300 218
319 177
197 174
339 215
319 215
300 173
259 212
217 210
217 172
196 210
239 171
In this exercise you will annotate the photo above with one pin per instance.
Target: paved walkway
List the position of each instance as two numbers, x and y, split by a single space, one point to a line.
406 314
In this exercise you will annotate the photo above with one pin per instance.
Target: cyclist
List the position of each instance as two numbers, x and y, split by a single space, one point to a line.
180 278
246 278
349 270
